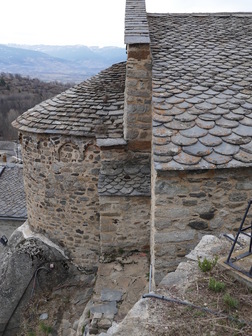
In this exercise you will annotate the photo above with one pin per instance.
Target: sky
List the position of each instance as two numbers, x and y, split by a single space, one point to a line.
88 22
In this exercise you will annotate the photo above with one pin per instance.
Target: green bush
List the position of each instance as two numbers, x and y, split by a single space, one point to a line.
207 265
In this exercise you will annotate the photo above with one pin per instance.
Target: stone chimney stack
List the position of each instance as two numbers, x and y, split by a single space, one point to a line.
138 88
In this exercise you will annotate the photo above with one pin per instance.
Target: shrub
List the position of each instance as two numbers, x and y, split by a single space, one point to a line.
207 265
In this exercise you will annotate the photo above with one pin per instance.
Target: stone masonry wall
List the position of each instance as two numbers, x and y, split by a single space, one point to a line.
125 224
124 220
188 205
61 177
138 93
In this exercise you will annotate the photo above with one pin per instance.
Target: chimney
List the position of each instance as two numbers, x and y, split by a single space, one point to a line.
138 88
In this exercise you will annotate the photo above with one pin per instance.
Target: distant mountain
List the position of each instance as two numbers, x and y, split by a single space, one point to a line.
80 53
58 63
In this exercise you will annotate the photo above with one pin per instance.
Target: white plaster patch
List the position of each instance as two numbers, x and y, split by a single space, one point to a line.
28 233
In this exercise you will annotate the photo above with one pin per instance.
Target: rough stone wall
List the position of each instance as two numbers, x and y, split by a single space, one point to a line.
124 220
125 224
138 93
61 177
188 205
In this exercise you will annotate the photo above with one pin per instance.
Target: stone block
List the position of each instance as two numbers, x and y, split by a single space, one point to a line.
111 295
171 213
171 189
169 237
106 308
237 197
207 211
163 223
198 225
104 323
199 194
245 185
162 250
189 202
137 109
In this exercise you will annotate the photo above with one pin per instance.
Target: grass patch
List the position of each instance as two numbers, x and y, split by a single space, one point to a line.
31 333
45 329
230 301
216 286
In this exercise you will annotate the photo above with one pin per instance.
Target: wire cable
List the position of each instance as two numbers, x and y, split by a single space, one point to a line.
186 303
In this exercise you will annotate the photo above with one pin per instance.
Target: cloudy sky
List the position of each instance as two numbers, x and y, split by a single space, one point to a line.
88 22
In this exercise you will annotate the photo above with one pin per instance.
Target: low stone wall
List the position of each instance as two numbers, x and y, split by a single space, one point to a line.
61 177
190 204
125 224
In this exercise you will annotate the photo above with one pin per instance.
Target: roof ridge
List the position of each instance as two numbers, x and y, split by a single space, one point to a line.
203 14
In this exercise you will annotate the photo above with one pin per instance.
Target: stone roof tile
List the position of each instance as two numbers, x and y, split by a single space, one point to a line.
136 24
82 110
12 195
125 178
202 68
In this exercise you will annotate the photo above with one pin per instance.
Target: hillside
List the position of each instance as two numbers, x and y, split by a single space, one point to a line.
67 64
18 94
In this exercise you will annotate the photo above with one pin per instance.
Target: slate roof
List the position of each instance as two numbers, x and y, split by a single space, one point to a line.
125 178
136 24
12 195
93 108
202 90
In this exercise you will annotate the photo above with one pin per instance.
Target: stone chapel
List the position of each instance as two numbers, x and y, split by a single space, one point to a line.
151 154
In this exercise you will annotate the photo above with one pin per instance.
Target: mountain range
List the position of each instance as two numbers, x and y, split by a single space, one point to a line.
66 64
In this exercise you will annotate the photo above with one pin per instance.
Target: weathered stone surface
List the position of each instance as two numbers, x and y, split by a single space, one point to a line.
205 201
18 264
144 313
138 93
111 295
61 178
198 225
208 247
170 188
237 197
125 224
106 308
173 213
167 237
207 211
